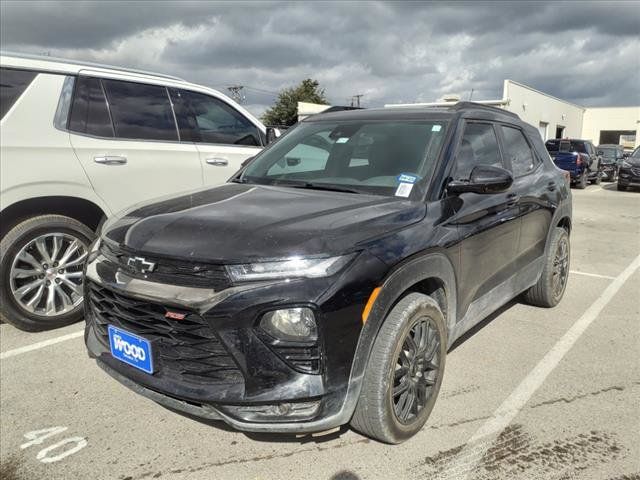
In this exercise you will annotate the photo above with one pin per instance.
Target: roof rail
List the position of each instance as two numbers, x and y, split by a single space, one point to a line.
480 106
46 58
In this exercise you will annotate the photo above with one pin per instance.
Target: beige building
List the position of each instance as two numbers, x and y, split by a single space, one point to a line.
557 118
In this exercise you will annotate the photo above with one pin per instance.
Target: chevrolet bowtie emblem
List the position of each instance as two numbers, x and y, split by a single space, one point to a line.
140 265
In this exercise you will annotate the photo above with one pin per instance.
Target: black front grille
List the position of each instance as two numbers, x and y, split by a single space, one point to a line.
187 348
173 272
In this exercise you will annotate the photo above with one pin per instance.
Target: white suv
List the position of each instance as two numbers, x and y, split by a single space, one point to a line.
80 142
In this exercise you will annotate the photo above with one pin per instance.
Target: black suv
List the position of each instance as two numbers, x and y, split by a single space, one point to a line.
629 175
326 281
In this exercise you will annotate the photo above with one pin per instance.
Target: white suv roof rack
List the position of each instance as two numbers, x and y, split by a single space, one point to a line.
46 58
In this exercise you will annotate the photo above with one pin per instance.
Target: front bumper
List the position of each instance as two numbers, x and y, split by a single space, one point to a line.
629 177
609 170
261 379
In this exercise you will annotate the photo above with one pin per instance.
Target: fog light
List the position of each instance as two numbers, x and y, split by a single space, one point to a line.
289 411
291 324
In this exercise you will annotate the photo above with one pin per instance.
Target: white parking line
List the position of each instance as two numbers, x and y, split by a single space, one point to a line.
597 275
39 345
484 438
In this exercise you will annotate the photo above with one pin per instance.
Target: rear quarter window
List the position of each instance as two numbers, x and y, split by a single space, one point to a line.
13 83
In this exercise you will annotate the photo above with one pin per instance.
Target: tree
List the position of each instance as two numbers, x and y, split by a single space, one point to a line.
285 110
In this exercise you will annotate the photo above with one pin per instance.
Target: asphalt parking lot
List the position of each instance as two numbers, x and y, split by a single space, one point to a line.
531 394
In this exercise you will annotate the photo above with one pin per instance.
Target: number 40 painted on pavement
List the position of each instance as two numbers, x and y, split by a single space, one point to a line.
38 436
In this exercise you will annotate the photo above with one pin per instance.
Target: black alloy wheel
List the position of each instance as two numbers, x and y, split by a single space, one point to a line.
416 370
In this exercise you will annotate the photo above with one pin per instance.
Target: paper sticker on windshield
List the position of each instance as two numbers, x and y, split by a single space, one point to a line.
436 128
342 140
404 190
407 178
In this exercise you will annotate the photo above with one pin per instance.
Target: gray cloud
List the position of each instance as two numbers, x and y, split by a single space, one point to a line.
391 52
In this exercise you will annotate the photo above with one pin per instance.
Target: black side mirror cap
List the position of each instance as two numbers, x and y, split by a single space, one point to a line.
483 179
246 162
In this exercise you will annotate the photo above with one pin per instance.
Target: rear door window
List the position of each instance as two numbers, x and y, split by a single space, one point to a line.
206 119
518 151
140 111
13 83
89 110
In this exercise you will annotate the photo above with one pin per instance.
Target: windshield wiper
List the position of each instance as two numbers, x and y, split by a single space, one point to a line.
330 188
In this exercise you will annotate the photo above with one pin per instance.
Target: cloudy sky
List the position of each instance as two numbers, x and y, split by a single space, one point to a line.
587 53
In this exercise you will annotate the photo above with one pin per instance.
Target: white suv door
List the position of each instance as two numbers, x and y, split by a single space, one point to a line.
125 135
223 136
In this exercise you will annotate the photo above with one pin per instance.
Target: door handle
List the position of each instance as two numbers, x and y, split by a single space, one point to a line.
217 161
110 159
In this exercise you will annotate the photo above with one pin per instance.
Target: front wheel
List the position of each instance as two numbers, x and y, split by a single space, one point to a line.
404 372
41 262
549 289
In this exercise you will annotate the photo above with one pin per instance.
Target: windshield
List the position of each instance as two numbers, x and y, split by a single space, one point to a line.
609 152
377 157
636 153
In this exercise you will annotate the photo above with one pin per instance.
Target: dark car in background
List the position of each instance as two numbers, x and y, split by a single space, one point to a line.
578 157
629 174
325 283
611 159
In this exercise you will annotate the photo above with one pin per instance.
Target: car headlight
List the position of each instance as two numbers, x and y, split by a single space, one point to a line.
291 268
626 164
291 324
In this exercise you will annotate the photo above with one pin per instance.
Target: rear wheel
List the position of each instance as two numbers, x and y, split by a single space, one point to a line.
41 262
552 283
404 371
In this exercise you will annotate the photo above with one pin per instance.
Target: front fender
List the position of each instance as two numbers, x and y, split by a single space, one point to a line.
433 265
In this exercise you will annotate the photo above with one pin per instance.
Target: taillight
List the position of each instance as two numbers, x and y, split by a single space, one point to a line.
579 159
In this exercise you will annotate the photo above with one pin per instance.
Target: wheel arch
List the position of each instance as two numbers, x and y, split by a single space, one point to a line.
565 222
80 209
432 274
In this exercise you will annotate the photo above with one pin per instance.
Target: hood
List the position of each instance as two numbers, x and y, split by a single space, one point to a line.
236 223
633 161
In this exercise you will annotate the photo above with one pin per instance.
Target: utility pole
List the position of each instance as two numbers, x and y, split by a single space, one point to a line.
237 93
355 99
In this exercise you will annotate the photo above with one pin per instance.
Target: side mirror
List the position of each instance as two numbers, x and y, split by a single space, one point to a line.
272 134
484 179
626 155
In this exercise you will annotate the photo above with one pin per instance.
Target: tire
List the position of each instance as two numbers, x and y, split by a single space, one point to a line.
582 183
57 233
376 413
622 188
546 292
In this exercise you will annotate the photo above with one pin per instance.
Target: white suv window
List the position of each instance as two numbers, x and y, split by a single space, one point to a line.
206 119
140 111
89 110
13 83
